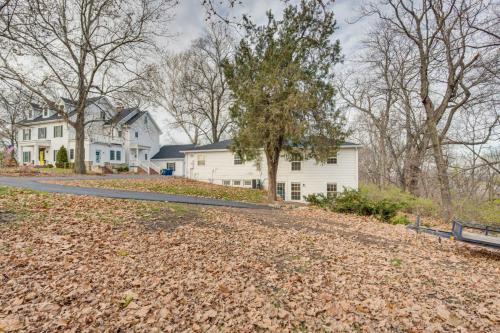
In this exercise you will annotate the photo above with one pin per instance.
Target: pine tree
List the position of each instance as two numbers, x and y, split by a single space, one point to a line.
281 78
62 157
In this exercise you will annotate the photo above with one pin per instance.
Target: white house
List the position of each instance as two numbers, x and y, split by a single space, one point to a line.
114 136
297 178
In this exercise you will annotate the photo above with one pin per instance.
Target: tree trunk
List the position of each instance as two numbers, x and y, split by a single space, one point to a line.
79 166
272 157
442 172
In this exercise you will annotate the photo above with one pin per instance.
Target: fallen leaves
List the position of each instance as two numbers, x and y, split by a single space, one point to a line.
79 263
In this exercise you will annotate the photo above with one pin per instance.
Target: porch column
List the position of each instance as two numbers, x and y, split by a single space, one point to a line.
36 154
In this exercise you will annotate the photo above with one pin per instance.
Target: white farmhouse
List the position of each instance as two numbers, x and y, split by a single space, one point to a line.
296 178
114 136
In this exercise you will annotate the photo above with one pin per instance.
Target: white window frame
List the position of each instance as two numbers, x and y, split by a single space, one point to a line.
284 189
118 155
200 160
332 159
237 160
45 113
58 135
296 162
293 191
331 193
26 154
247 182
27 134
44 130
226 182
236 182
136 134
71 154
111 155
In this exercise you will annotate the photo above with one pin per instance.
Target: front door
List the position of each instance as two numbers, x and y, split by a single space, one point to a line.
97 156
280 190
41 156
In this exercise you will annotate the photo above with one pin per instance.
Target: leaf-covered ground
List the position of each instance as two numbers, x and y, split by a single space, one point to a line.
31 171
174 185
93 264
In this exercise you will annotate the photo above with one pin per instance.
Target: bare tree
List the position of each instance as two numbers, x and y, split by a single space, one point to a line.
13 105
78 49
192 89
455 69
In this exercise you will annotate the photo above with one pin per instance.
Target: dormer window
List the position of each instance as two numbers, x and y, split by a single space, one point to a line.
45 112
103 115
30 114
146 120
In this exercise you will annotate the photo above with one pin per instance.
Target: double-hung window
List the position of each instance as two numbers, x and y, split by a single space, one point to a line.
237 159
71 154
236 182
332 160
58 131
118 155
331 190
226 182
201 160
295 191
136 134
171 166
296 162
111 155
26 157
42 132
26 134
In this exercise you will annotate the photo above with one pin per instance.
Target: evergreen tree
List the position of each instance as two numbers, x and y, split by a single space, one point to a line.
61 157
281 78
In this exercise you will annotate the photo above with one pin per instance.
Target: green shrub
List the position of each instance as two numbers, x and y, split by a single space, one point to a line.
62 157
353 201
385 210
318 199
50 166
400 219
122 169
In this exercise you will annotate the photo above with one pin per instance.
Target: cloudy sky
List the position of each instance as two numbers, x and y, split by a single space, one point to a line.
191 18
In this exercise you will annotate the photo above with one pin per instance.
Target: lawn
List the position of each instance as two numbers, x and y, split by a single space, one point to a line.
38 171
94 264
175 185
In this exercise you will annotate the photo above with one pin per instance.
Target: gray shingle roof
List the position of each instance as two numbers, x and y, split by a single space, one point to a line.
226 143
172 151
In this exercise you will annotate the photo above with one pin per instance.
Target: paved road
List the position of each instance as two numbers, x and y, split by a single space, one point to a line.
33 183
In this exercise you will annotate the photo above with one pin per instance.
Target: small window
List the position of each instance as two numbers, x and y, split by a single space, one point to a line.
280 190
237 159
26 157
103 115
119 134
247 183
146 120
226 182
295 191
55 155
58 131
146 157
30 114
71 154
42 133
332 160
45 113
296 162
136 134
201 160
171 166
26 134
118 155
111 155
331 190
236 182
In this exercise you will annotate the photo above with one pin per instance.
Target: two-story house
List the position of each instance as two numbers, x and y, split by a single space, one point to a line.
297 177
114 136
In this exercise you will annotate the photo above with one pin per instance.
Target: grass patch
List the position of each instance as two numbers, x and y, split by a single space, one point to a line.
174 185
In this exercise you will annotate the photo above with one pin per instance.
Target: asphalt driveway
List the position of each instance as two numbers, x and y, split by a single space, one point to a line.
34 183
